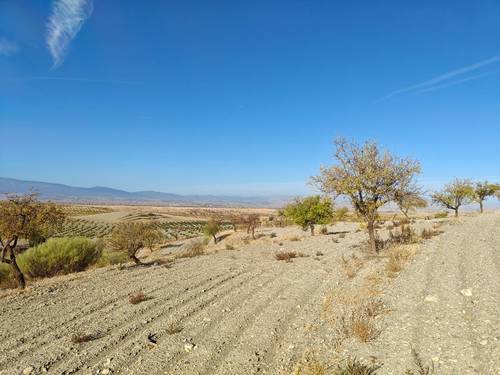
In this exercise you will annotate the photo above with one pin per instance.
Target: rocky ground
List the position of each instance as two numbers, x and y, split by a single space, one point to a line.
244 312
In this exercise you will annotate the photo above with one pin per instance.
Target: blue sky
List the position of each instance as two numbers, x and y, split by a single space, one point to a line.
244 97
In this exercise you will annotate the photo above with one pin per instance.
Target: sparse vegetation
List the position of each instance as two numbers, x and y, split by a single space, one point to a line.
137 298
351 265
454 195
309 365
353 313
427 234
484 190
212 227
404 236
368 177
59 256
409 199
420 367
79 338
251 221
110 257
310 211
287 256
174 327
398 256
193 249
341 213
352 366
441 215
24 217
131 237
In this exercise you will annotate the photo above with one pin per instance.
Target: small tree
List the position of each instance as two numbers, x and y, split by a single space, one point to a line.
212 227
24 217
251 221
131 237
484 190
408 201
454 195
153 236
235 220
368 177
310 211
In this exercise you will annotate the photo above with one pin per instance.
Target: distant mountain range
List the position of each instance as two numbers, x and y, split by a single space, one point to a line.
105 195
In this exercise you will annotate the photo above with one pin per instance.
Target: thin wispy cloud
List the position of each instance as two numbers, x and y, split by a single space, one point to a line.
7 48
65 21
442 80
453 83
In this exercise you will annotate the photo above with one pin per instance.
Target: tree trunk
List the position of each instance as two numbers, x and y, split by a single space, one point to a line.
253 233
481 206
135 259
456 212
371 234
312 229
215 238
16 271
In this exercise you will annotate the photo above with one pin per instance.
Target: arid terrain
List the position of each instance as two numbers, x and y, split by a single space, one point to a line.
237 309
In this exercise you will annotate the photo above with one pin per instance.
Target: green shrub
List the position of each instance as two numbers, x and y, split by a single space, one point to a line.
111 257
60 256
441 215
6 279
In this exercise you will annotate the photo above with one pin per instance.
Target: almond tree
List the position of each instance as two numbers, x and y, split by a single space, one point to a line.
368 177
484 190
23 217
310 211
131 237
409 200
212 227
454 195
252 221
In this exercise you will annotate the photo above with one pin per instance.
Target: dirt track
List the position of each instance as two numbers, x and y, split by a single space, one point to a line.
446 303
243 312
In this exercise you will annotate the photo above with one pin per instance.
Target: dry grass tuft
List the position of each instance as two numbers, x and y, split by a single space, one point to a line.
441 215
406 235
323 230
173 328
287 256
79 338
353 313
354 367
352 265
427 234
398 223
398 256
309 365
137 297
194 249
421 369
294 238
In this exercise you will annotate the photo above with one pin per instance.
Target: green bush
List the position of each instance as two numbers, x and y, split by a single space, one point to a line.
111 257
441 215
6 279
60 256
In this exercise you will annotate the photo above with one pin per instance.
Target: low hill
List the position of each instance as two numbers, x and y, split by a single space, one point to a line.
106 195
